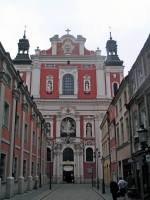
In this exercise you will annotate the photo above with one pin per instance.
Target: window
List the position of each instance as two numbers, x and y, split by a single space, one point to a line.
33 139
38 170
140 77
115 88
26 133
24 168
15 168
48 154
118 142
6 114
143 117
120 103
122 132
125 97
32 170
116 110
127 128
2 166
89 155
9 81
17 125
68 154
135 127
68 85
39 140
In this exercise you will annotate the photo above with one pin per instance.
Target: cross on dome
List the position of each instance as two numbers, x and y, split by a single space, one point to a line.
67 31
110 33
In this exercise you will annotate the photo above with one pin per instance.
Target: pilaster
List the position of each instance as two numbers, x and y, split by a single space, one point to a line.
100 81
108 85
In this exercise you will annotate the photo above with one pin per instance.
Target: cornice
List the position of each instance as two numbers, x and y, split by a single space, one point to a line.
3 77
72 102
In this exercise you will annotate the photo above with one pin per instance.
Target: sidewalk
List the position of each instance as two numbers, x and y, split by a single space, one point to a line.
107 195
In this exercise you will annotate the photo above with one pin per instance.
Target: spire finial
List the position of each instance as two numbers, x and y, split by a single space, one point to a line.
68 30
24 33
110 33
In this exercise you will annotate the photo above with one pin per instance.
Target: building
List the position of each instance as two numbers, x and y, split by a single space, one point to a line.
139 112
72 87
122 130
22 142
106 148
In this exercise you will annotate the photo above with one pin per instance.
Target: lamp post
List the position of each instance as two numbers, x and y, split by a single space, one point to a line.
103 184
143 137
92 175
97 155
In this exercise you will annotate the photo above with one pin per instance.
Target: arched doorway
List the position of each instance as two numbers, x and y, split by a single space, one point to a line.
68 168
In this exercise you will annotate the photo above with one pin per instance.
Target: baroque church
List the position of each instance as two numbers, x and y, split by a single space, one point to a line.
72 87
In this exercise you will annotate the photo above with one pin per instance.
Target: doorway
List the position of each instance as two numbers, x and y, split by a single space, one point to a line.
68 175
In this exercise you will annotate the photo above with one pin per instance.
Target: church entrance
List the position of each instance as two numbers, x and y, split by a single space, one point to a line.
68 174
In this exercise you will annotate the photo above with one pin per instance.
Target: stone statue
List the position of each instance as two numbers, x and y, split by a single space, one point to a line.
67 128
49 86
89 130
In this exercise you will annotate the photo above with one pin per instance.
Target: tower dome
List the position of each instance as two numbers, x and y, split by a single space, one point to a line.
112 57
23 52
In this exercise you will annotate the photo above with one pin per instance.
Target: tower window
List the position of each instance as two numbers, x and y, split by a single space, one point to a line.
115 88
68 85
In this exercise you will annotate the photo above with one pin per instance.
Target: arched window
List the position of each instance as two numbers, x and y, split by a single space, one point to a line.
68 154
89 155
115 88
68 85
48 154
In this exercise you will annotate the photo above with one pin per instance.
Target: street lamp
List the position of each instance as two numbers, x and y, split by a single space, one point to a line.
103 184
97 155
143 137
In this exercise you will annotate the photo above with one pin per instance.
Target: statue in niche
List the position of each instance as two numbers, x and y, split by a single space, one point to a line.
49 87
68 127
48 130
88 130
86 85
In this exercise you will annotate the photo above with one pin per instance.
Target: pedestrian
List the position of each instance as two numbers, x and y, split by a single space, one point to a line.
114 188
122 184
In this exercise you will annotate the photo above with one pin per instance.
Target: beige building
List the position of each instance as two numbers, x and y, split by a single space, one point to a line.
122 130
105 148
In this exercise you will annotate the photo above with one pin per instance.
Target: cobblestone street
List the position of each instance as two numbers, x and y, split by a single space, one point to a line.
73 192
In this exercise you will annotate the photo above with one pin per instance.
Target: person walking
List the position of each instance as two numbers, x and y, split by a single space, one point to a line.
122 184
114 189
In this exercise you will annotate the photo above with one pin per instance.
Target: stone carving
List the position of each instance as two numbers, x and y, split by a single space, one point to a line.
68 127
67 47
48 130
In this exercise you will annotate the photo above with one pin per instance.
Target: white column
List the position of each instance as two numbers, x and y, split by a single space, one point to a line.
36 161
100 81
10 179
21 178
30 155
81 47
54 49
121 77
60 161
108 85
98 135
78 172
58 165
28 79
78 127
3 81
57 126
36 72
81 164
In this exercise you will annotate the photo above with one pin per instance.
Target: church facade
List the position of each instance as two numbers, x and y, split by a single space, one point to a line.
72 87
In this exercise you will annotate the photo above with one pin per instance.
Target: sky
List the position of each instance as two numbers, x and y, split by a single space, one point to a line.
129 21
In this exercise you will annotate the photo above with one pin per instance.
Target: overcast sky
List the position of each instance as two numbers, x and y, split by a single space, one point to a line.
129 19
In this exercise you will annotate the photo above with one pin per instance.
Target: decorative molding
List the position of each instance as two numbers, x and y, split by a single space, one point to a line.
15 94
24 106
32 116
